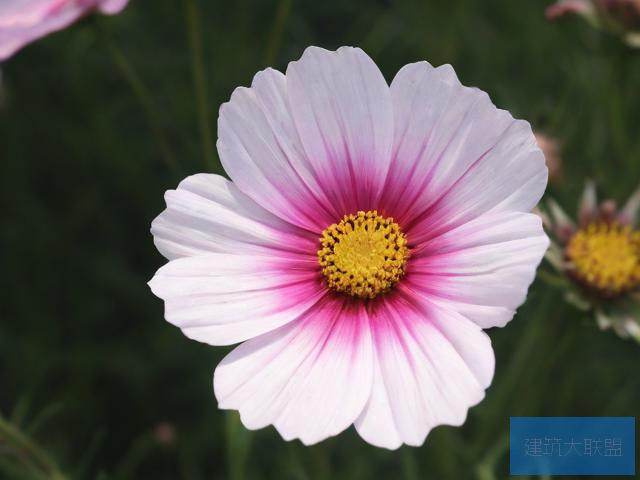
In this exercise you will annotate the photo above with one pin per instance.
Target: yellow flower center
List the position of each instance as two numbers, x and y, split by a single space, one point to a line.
363 255
606 257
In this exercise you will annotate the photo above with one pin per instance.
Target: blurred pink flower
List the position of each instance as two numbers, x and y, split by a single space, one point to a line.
164 433
23 21
563 7
369 235
551 149
621 17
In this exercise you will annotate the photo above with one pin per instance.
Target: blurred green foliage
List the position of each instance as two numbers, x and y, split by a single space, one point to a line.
96 122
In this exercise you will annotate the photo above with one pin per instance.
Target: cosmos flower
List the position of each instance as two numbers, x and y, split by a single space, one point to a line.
601 258
620 17
564 7
23 21
368 236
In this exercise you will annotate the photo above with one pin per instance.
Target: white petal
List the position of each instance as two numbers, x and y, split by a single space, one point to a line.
563 226
21 24
310 379
455 154
342 109
629 213
376 423
260 150
207 213
483 268
222 298
432 366
111 7
588 207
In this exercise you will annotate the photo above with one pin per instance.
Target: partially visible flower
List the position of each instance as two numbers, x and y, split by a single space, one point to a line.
600 255
164 433
563 7
551 149
23 21
621 17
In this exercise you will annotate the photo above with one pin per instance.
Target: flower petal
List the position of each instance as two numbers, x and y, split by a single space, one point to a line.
260 150
207 213
310 379
431 366
223 298
20 26
456 156
111 7
563 226
482 268
23 21
563 7
629 213
342 109
588 207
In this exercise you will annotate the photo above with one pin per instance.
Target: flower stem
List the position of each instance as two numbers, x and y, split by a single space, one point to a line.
29 451
238 446
275 36
552 279
194 33
486 469
144 98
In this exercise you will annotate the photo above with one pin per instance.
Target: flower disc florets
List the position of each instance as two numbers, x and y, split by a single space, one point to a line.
606 257
363 255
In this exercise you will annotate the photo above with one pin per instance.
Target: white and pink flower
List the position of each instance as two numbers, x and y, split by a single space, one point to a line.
24 21
368 236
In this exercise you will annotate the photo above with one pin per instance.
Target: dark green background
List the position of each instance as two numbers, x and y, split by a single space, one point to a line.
96 122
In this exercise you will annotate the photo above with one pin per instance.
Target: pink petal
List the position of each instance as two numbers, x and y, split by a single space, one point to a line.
629 213
588 207
342 109
16 13
111 7
563 7
208 213
310 378
431 366
456 156
563 226
23 21
483 268
260 150
223 298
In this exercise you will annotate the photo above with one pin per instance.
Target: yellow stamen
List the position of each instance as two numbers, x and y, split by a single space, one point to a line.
363 255
606 257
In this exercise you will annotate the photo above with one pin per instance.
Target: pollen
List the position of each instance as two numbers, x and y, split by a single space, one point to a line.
606 258
364 255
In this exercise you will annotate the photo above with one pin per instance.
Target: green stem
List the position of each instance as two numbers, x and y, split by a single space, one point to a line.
238 446
552 279
409 466
136 454
14 436
144 98
486 469
507 387
194 33
275 37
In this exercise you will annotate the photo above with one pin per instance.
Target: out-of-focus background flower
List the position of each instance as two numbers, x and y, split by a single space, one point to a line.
98 120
